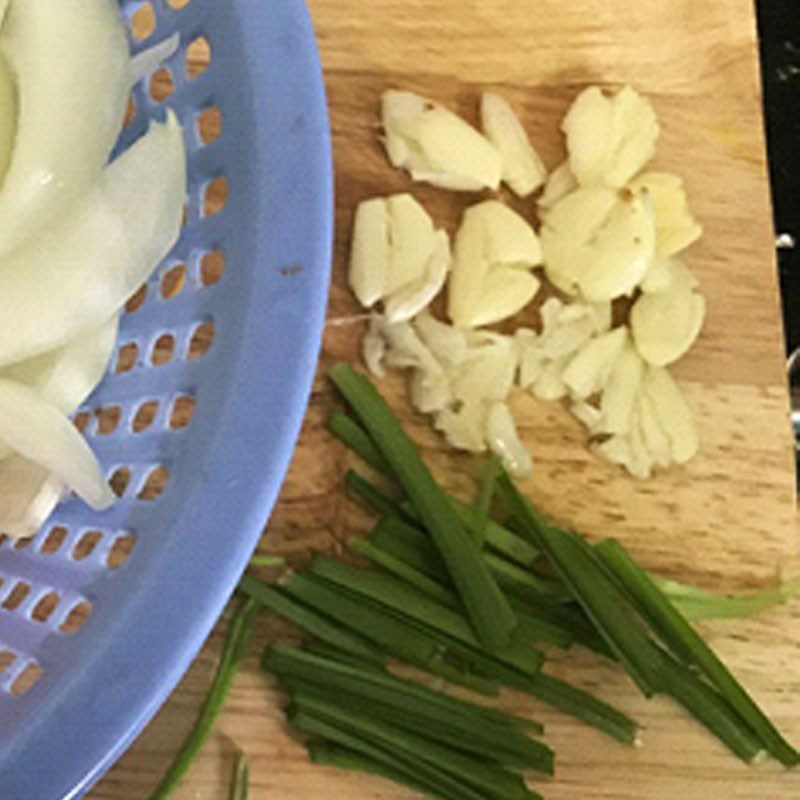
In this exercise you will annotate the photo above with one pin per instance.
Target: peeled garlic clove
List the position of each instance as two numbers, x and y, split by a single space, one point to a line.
488 371
430 390
437 146
530 357
610 137
621 253
28 495
673 413
589 415
523 169
655 439
506 291
447 343
588 370
568 232
560 183
666 324
659 277
622 391
369 257
412 298
373 351
503 439
676 228
39 432
465 428
568 330
491 236
642 461
550 383
411 241
617 450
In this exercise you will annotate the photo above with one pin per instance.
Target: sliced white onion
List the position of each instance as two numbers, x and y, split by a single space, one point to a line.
39 432
503 439
610 137
78 272
588 370
676 228
8 115
151 58
492 239
622 391
28 495
71 63
523 169
437 146
560 183
411 299
67 376
666 324
673 413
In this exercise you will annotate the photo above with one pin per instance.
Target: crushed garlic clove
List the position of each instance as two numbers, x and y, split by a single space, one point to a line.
523 170
503 440
369 257
560 183
588 370
437 146
673 413
610 136
621 392
676 228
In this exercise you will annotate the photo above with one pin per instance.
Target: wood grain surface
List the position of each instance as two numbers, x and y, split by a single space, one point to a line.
725 521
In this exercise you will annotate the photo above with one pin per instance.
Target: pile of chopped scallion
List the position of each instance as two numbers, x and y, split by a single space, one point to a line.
470 594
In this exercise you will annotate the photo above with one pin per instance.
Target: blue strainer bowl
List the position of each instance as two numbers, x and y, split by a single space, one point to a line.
98 686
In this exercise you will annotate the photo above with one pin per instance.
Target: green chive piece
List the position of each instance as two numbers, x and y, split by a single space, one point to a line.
596 591
411 545
434 780
712 710
523 582
329 651
487 607
350 433
697 604
377 500
463 676
390 634
508 748
309 620
238 637
427 615
689 646
240 785
274 562
482 509
329 754
483 776
583 706
292 661
400 569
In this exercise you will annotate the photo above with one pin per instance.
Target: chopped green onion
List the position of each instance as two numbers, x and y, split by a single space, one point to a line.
371 495
689 646
411 545
598 594
400 569
483 500
523 582
350 433
274 562
238 637
309 620
482 776
240 786
488 610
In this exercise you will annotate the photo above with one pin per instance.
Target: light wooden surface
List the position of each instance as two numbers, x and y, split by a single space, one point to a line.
726 521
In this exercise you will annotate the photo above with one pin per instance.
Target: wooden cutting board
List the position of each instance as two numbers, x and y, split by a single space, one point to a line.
726 521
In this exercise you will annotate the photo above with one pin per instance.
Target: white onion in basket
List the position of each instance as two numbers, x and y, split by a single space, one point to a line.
38 431
28 495
78 272
72 67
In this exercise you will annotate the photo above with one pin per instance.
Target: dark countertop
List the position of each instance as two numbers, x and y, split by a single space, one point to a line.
779 21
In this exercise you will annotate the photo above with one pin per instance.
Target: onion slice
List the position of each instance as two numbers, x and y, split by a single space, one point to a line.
71 63
39 432
91 261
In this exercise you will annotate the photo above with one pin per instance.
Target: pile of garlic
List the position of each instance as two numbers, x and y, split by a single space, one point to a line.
608 230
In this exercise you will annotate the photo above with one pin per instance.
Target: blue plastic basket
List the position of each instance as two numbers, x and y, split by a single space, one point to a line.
99 686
